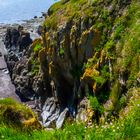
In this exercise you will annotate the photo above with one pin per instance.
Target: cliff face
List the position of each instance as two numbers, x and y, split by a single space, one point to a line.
87 59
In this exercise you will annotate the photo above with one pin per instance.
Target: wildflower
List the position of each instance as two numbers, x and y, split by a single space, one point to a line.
105 126
102 126
117 127
113 126
111 123
97 126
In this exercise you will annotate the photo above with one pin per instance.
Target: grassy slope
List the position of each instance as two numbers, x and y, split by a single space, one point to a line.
127 128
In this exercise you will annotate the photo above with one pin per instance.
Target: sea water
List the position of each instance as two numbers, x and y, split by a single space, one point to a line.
13 11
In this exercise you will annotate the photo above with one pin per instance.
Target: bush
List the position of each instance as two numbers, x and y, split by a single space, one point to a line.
95 104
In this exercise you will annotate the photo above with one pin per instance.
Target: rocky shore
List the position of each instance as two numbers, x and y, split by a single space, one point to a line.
15 79
16 51
7 89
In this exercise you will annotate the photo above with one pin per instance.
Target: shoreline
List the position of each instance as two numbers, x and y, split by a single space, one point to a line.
29 25
7 89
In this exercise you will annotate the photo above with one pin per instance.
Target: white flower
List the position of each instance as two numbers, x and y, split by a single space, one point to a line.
117 127
102 126
111 123
113 126
96 126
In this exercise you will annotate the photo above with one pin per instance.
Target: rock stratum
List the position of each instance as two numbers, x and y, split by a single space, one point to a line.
84 65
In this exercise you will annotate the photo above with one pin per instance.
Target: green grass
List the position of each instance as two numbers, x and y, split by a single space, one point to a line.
17 116
37 48
126 129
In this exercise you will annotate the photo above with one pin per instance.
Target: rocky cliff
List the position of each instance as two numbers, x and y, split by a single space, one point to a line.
85 65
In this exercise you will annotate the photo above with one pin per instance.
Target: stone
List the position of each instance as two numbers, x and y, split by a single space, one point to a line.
50 112
24 40
39 30
35 16
61 118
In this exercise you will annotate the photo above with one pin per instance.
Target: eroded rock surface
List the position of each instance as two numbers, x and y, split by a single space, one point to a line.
7 89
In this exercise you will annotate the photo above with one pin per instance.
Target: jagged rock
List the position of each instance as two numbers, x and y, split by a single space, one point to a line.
24 40
85 112
50 112
14 37
12 57
61 118
16 41
17 37
39 30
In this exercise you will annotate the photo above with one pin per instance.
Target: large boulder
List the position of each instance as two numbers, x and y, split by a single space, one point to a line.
24 40
17 37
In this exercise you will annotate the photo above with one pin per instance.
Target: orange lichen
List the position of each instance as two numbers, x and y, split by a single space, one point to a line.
94 86
32 122
90 73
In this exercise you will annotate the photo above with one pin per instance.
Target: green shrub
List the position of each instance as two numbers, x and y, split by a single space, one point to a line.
37 48
115 92
95 104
